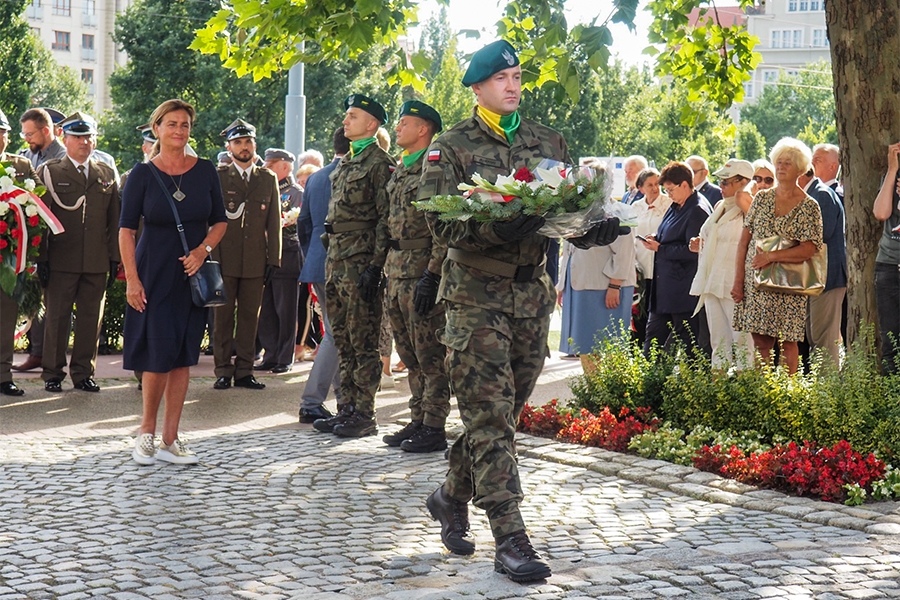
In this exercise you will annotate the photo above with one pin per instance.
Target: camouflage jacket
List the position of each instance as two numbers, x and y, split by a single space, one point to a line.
359 194
406 222
472 147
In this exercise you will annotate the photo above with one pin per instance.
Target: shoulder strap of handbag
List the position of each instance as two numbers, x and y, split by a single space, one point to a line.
178 224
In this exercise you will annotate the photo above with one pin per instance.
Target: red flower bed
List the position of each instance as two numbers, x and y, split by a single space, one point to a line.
605 430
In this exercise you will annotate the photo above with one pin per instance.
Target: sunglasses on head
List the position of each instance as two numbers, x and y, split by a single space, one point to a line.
759 179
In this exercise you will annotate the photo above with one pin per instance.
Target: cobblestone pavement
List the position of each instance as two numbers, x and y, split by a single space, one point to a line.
276 510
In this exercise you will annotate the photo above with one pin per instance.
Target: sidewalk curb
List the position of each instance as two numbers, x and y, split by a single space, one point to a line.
882 518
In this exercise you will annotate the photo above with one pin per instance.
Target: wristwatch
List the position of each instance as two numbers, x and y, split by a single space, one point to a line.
208 249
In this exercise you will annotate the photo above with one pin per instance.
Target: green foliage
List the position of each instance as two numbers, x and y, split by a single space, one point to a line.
114 316
58 86
452 101
800 105
18 68
671 444
750 143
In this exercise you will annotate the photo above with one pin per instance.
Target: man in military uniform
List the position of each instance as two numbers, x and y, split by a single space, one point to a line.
249 253
499 301
78 265
357 232
278 315
8 308
39 132
413 270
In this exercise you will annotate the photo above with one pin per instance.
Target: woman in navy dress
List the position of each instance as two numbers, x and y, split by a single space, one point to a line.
163 327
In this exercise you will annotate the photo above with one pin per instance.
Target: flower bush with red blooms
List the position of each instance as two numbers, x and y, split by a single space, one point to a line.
605 430
805 470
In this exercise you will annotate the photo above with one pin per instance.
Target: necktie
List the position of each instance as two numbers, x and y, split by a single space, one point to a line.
244 176
81 171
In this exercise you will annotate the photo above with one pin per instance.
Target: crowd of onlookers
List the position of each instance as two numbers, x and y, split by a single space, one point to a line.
691 268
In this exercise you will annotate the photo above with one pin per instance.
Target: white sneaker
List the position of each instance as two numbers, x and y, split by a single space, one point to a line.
144 452
176 453
387 381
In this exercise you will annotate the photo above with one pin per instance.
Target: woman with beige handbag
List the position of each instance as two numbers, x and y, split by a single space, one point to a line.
788 212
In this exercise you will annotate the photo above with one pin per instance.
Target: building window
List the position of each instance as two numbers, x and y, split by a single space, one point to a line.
61 41
87 41
89 7
87 76
748 89
62 7
769 76
792 5
786 38
805 5
36 31
33 10
820 39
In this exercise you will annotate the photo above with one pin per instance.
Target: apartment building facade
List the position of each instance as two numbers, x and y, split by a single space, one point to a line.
79 34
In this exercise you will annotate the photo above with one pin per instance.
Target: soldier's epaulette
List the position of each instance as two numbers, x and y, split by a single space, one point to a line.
268 170
222 167
52 161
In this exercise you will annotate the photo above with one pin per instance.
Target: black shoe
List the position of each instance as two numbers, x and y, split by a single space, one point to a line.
249 382
426 439
345 411
53 385
281 368
517 559
208 351
87 385
311 415
222 383
358 425
454 519
395 439
266 366
8 388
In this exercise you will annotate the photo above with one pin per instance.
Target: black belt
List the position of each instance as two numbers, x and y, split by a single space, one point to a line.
518 273
416 244
346 226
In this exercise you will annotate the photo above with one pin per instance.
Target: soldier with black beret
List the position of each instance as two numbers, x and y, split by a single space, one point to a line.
249 253
357 235
498 300
413 270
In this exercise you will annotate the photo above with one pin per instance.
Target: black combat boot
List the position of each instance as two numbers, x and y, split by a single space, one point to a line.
395 439
345 411
426 439
358 425
454 519
517 559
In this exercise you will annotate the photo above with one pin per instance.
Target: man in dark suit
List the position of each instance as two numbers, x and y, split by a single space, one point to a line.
249 253
710 191
313 211
77 266
8 307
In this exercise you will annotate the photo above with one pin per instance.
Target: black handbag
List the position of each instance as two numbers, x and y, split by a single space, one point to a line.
207 287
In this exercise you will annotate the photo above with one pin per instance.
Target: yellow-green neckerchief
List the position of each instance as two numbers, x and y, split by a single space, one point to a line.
360 145
411 159
505 125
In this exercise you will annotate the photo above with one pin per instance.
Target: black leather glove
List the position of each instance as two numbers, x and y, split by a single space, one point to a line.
270 270
369 283
43 273
519 228
113 271
425 294
602 234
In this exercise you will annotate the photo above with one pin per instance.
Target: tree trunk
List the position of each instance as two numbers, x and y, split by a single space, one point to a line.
865 55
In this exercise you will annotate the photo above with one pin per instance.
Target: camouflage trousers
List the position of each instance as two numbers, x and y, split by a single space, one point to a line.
356 325
422 353
494 363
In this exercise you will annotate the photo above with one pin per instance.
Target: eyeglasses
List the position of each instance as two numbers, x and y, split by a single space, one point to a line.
758 179
28 136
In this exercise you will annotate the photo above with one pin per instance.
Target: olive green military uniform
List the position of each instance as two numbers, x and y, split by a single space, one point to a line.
251 242
9 310
411 252
357 216
79 261
497 324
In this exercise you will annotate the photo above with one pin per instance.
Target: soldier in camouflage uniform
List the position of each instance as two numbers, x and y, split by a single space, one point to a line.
357 236
499 300
413 270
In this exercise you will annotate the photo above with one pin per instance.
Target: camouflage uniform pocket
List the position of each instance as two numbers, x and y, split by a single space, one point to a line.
455 338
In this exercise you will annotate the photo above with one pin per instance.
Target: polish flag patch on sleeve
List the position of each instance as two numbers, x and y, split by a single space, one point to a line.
434 155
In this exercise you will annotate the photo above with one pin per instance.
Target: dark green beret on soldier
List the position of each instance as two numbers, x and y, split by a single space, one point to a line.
367 104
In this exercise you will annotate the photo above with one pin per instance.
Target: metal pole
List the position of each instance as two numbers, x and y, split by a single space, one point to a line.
295 111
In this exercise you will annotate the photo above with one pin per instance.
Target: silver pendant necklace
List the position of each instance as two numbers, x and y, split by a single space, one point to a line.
178 195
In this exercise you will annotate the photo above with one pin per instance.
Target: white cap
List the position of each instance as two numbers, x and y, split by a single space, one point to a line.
735 167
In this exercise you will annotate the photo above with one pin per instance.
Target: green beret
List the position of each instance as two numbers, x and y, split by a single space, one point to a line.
423 111
491 59
367 104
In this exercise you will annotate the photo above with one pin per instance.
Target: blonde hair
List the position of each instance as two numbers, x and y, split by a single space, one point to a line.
383 138
306 170
763 164
797 151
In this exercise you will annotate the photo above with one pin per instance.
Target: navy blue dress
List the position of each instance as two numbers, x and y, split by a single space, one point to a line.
167 335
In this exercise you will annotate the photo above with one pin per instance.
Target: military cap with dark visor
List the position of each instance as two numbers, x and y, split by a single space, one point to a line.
79 123
239 128
4 122
146 132
56 116
367 104
419 109
491 59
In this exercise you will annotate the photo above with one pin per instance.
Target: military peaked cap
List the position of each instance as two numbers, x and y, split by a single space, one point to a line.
367 104
147 132
239 128
79 123
423 111
279 154
55 116
491 59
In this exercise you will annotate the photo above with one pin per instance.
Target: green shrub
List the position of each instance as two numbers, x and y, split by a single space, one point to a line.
114 316
672 444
